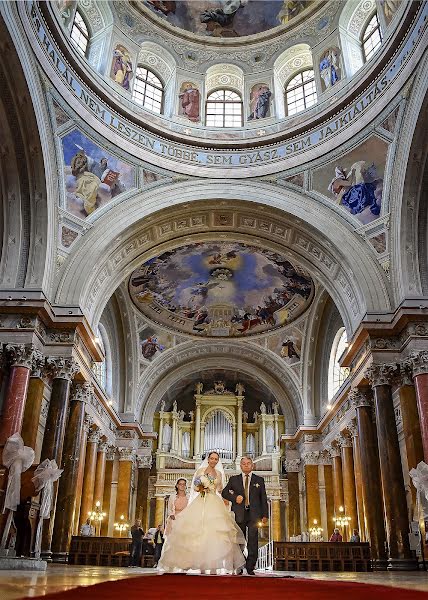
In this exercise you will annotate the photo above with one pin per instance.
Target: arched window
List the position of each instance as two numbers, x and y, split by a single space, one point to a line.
300 92
224 109
148 90
80 33
336 373
371 38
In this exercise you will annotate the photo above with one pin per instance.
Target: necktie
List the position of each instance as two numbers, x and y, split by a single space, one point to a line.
247 497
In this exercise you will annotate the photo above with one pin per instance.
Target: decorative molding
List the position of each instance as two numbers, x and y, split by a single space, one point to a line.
94 436
82 392
144 462
344 441
334 451
359 398
352 428
87 424
23 355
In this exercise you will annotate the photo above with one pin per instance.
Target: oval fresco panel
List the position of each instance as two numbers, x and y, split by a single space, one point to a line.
221 289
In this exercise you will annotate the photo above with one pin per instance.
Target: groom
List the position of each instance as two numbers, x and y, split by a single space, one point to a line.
249 503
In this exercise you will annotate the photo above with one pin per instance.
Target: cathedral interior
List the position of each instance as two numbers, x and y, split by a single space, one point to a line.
214 237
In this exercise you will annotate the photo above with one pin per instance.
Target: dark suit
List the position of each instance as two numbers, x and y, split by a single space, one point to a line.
248 517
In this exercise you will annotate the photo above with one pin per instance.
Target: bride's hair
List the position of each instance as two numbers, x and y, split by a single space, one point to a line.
178 481
213 452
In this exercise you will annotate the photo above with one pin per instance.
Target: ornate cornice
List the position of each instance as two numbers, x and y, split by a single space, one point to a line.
419 362
62 368
23 355
381 374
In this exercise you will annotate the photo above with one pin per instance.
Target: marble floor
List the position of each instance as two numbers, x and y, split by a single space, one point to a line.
20 584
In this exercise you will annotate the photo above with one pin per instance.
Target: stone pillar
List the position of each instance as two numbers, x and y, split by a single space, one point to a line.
63 371
329 500
100 473
239 429
410 416
349 492
202 438
276 519
370 473
264 450
197 443
87 425
33 405
160 438
110 492
174 432
22 357
144 463
419 362
397 524
276 430
353 432
68 483
88 503
234 436
126 463
337 478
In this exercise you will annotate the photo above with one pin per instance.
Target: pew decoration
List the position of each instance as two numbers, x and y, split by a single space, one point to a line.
17 458
44 477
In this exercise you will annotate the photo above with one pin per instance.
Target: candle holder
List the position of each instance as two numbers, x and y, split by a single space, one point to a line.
315 532
121 525
97 515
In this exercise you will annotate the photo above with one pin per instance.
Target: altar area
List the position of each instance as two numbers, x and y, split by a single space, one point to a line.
220 421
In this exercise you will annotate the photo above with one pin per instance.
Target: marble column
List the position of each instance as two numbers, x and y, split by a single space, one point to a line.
144 463
126 463
159 510
68 483
33 405
349 492
22 358
87 427
100 473
197 443
174 432
419 362
239 428
370 473
313 504
202 438
264 449
293 509
88 502
394 497
110 492
352 428
336 456
276 519
410 417
63 371
160 438
329 500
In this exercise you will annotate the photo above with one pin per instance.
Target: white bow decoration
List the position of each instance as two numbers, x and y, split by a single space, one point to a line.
44 477
17 458
420 481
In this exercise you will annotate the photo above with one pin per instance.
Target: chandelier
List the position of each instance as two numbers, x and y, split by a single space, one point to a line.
342 520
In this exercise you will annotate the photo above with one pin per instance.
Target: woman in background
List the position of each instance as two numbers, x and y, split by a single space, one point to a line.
176 503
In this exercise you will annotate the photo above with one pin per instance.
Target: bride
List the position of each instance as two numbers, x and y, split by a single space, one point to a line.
205 537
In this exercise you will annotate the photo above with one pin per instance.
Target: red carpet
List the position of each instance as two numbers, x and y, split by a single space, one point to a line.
187 587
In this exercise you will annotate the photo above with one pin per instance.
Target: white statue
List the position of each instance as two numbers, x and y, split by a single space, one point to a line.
199 387
162 406
239 389
263 408
245 416
275 408
174 406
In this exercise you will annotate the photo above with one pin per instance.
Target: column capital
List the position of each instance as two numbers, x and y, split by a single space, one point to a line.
63 368
406 371
352 427
311 458
126 454
111 452
419 362
334 451
94 436
381 374
292 465
360 397
144 462
38 367
87 424
103 446
344 441
23 355
81 392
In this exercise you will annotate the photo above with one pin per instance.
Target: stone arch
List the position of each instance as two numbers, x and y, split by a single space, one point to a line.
194 356
224 76
306 228
224 409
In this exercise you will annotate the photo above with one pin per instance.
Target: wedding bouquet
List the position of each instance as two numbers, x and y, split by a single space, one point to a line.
204 484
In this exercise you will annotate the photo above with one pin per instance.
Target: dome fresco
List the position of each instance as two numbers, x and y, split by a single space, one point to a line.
221 289
227 18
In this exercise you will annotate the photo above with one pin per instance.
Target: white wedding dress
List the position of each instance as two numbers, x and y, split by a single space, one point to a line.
205 537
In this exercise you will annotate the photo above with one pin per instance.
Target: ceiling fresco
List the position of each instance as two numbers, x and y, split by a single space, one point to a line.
221 289
227 18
